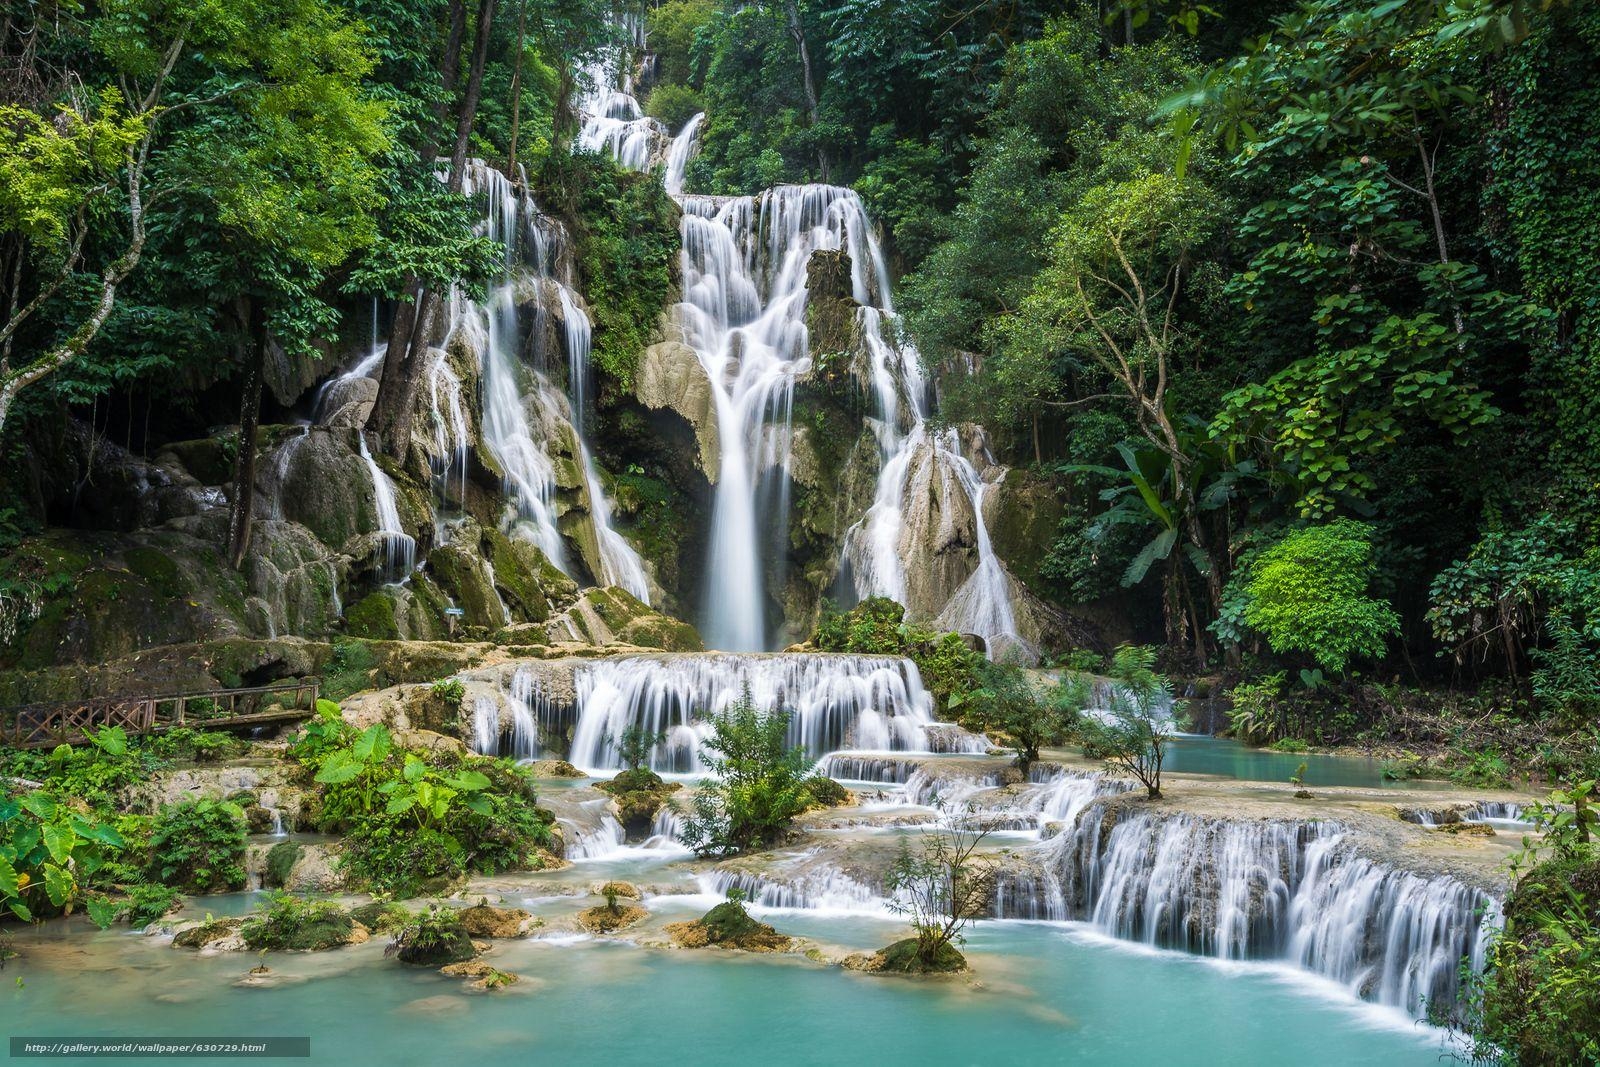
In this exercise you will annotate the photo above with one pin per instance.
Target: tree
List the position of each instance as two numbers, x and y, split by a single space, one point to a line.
634 746
1110 295
760 783
942 887
1030 716
248 113
1133 732
1308 593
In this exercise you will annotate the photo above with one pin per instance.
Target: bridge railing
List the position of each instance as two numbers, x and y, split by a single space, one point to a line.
39 725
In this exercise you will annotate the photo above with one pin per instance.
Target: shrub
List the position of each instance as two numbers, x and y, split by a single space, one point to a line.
412 818
1133 735
146 903
1256 715
289 923
48 851
941 888
877 627
197 846
97 771
197 746
1539 999
449 690
673 105
1029 716
433 938
760 783
1308 593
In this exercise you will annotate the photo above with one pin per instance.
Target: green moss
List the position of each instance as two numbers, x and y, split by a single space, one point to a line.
902 957
373 617
158 572
379 917
281 859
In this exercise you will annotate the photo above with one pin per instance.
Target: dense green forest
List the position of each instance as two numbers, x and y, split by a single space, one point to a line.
1282 316
1288 305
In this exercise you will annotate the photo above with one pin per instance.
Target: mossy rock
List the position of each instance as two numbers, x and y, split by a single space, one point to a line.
904 957
380 917
826 793
481 920
453 946
1022 515
607 920
281 859
373 617
639 795
555 768
729 925
326 928
206 933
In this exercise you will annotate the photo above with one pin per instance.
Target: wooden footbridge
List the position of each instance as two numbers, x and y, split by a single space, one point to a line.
47 725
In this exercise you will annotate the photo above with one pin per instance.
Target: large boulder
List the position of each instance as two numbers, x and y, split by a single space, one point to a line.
670 376
319 480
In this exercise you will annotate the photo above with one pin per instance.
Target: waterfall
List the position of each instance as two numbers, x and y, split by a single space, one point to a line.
835 701
523 411
609 117
744 285
534 716
1239 889
680 151
400 548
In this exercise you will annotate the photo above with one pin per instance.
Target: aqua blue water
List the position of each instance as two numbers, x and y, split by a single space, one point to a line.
1231 759
1043 994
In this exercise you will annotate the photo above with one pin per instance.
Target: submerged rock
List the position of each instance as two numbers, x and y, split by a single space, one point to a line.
215 935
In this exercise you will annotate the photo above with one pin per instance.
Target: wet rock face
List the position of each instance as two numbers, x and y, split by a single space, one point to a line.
939 538
670 377
320 481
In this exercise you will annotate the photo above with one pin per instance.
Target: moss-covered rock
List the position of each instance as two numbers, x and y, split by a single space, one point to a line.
639 795
281 859
608 920
213 934
443 946
381 917
1022 514
481 920
905 957
729 925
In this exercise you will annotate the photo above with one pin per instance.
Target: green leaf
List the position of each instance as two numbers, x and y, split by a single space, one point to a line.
8 878
102 912
59 841
480 804
400 803
40 805
339 769
415 769
20 910
58 884
470 781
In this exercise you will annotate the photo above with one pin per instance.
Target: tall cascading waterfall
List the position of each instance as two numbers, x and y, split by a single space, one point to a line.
1264 890
744 271
743 313
874 703
522 410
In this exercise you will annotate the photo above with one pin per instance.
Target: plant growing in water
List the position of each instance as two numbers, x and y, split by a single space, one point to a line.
760 784
634 745
942 887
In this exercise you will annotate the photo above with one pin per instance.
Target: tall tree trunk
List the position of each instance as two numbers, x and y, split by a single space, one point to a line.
241 519
797 30
412 332
516 89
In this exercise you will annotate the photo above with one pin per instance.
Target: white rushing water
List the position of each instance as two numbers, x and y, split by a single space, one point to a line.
1261 889
523 413
744 283
835 702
